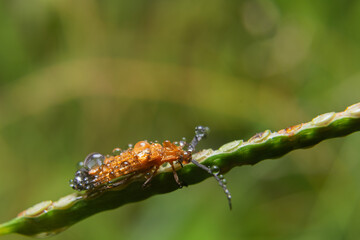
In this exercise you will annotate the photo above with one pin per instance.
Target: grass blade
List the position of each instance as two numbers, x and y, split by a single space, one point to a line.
49 218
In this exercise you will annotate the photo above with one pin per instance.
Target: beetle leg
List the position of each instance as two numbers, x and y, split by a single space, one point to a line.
121 182
151 177
176 177
180 162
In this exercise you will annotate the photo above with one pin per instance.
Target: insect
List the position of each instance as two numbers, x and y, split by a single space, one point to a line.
144 158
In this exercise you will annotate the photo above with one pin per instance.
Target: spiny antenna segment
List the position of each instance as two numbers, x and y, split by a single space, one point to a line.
201 132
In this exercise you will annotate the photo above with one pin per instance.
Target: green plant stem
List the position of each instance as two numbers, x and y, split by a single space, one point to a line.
49 218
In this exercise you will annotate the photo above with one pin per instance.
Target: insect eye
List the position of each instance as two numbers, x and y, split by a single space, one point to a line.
93 160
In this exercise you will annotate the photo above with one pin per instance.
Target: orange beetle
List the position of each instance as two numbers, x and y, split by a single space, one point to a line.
145 158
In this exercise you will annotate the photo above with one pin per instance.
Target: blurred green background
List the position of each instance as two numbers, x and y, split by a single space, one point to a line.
84 76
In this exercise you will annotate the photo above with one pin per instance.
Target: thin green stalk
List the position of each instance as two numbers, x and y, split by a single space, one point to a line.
48 218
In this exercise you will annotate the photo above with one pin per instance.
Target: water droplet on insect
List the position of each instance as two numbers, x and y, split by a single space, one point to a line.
182 143
201 131
221 176
80 165
93 160
116 151
130 145
215 169
143 143
124 164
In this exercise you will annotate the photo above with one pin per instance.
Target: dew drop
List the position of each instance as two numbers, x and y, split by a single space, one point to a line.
80 165
147 175
182 143
221 176
93 160
201 131
130 145
125 163
215 169
143 144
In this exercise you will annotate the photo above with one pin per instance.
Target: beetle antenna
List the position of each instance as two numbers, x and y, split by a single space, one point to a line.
220 181
201 132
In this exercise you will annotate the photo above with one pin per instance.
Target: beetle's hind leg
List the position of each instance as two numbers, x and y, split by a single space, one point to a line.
145 184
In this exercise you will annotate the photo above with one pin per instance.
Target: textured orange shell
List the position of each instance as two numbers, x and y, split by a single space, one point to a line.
144 157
